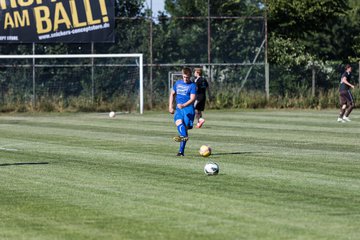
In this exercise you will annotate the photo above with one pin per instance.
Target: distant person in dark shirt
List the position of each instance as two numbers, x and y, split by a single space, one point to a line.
202 86
346 99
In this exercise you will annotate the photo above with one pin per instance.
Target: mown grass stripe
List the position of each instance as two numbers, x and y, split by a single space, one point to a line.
283 175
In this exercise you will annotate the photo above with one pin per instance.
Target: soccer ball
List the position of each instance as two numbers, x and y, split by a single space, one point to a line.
112 114
205 151
211 168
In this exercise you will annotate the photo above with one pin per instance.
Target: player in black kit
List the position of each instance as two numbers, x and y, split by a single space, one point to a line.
346 99
201 86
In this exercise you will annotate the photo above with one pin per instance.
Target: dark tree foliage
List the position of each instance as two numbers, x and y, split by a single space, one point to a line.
307 35
324 28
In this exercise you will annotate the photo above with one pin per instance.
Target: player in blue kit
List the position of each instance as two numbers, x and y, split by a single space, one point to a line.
184 92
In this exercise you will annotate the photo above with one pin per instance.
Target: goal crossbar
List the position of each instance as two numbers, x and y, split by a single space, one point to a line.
139 55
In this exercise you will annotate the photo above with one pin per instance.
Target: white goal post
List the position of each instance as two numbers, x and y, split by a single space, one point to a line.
137 56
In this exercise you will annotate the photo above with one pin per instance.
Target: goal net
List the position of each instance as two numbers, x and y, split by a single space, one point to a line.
172 78
85 82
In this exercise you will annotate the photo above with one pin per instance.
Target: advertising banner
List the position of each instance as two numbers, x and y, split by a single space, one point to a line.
77 21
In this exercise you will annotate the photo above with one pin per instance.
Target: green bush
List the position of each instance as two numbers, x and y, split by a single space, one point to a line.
230 98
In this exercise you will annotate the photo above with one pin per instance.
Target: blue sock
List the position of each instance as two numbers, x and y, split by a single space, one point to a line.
182 147
182 132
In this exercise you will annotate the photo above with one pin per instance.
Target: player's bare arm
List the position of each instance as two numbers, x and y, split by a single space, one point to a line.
191 101
171 102
344 80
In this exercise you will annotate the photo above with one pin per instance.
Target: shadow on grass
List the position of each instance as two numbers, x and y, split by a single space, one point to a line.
20 164
229 153
233 153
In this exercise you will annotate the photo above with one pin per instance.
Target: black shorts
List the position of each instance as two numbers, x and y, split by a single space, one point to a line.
200 105
346 97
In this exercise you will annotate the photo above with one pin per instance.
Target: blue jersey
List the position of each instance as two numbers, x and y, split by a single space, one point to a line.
183 91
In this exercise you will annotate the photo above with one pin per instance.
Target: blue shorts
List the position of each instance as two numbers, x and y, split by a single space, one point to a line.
186 115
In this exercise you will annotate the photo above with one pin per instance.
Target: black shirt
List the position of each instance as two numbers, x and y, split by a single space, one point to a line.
201 85
343 86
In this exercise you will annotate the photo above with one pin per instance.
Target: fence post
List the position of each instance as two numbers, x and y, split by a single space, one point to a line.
267 81
267 75
92 75
34 77
313 82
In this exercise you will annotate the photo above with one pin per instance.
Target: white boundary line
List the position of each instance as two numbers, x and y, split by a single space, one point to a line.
9 149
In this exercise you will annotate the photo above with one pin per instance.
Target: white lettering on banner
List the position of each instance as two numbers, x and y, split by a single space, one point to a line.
75 31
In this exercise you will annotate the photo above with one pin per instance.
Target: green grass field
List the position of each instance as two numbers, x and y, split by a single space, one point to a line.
283 175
